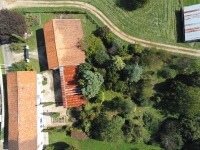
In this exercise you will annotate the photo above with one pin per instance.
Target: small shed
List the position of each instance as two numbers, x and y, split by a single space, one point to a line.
191 16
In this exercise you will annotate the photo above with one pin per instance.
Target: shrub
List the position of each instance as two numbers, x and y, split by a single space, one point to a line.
48 104
55 115
19 38
16 47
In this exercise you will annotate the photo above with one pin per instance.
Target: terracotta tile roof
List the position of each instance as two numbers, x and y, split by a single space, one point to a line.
62 40
71 94
22 123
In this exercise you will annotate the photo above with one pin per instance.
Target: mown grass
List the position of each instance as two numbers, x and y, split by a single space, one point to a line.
190 2
109 95
159 21
90 144
1 55
35 64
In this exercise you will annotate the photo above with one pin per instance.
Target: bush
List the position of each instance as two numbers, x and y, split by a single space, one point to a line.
44 81
151 122
48 104
55 115
16 47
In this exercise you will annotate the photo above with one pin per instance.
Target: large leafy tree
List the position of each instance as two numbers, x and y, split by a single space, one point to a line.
111 131
101 57
117 63
134 72
183 99
91 83
11 23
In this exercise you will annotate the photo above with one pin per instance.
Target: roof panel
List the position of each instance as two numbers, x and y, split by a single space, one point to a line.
22 108
192 22
71 93
67 35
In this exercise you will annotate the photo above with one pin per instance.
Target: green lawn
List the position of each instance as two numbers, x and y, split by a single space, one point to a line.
159 21
90 144
1 55
35 64
109 95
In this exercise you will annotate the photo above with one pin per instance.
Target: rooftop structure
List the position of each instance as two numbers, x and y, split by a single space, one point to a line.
71 94
24 117
62 40
191 16
22 130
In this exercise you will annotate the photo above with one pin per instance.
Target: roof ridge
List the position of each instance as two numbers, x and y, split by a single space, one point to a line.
55 42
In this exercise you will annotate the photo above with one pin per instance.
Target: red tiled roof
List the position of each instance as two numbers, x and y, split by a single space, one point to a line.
22 123
71 94
62 40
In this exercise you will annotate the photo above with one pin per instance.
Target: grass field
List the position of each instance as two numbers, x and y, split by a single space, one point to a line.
90 144
35 64
159 21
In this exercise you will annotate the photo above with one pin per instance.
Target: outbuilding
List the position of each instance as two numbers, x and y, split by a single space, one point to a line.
191 16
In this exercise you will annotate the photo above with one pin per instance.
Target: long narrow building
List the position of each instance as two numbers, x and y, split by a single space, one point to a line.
62 40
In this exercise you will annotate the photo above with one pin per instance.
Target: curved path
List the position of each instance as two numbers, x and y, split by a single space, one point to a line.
106 21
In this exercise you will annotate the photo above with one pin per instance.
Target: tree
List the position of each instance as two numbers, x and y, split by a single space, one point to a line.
135 48
171 141
111 131
121 48
117 63
11 23
92 44
83 67
105 35
151 59
132 4
134 72
134 132
190 128
92 83
21 66
182 99
101 57
168 73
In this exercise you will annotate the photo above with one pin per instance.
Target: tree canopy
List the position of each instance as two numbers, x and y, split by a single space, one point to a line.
134 72
91 83
11 23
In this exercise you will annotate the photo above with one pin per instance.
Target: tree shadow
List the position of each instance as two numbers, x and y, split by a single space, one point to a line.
57 87
179 25
60 146
5 144
124 4
42 57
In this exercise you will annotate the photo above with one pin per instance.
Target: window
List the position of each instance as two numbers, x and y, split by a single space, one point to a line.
40 120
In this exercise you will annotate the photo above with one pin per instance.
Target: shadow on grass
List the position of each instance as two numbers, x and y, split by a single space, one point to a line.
179 26
41 50
60 146
125 4
5 144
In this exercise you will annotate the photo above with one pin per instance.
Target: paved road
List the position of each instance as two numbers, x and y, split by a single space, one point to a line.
7 55
106 21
